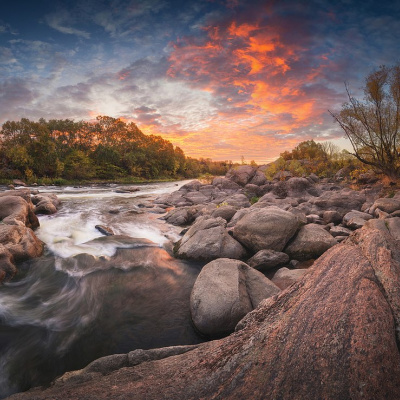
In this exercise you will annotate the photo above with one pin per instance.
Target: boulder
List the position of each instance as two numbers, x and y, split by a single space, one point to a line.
388 205
332 216
105 230
225 212
180 216
266 228
7 267
226 185
14 210
334 334
191 186
267 259
224 292
356 219
285 277
196 198
259 178
207 239
238 200
311 241
241 175
20 241
339 231
46 203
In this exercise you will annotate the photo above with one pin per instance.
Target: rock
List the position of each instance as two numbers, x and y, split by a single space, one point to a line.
196 198
332 216
241 175
331 335
259 178
18 182
238 200
252 190
267 259
356 219
266 228
393 225
105 230
14 210
282 175
180 216
285 277
224 292
313 218
191 186
207 239
20 241
226 185
388 205
313 178
7 267
225 212
310 242
339 231
367 178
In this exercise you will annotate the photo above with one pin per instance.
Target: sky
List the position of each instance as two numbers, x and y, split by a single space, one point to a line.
222 79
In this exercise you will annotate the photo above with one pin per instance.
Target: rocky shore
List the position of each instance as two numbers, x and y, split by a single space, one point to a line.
302 274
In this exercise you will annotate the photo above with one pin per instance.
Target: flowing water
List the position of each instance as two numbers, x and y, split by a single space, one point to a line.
92 295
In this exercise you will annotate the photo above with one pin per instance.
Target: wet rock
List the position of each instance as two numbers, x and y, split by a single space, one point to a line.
105 230
18 182
241 175
267 259
285 277
224 292
14 210
266 228
311 241
207 239
7 267
20 241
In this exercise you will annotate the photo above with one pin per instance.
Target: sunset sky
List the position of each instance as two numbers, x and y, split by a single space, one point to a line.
219 78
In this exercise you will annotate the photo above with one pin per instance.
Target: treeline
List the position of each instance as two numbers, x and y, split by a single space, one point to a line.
108 149
323 159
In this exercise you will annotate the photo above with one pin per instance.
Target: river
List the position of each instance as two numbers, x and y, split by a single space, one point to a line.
92 295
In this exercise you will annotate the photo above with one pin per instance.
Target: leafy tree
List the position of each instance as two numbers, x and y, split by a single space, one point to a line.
372 124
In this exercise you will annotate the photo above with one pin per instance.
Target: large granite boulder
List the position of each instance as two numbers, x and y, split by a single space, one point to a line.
332 335
311 241
46 203
15 210
207 239
266 228
224 292
241 175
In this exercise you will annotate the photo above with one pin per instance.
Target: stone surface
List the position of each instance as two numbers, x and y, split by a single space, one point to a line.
339 231
356 219
225 212
310 242
15 210
207 239
180 216
332 335
388 205
7 267
224 292
20 241
241 175
285 277
267 259
266 228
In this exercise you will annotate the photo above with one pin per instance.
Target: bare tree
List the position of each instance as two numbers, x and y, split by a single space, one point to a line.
372 124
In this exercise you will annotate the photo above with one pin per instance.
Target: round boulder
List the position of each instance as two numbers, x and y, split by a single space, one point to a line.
224 292
311 241
267 259
266 228
207 239
285 277
241 175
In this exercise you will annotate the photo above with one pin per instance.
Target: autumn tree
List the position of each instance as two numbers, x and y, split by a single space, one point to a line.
372 124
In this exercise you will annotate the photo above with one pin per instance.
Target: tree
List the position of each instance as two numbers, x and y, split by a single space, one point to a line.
372 124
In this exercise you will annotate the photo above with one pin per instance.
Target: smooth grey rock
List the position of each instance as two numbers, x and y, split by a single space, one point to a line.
285 277
267 259
224 292
266 228
207 239
225 212
311 241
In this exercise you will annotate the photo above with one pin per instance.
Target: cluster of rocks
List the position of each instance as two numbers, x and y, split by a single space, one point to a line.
18 220
279 227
